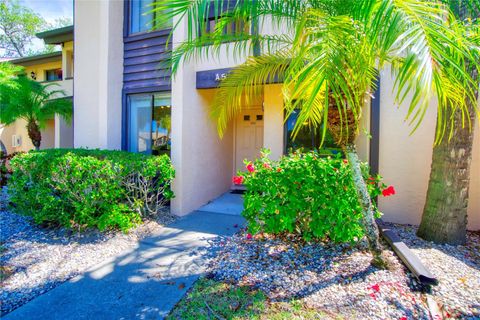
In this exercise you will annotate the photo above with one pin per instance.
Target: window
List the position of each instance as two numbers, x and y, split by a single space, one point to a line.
233 28
308 137
53 75
149 123
141 17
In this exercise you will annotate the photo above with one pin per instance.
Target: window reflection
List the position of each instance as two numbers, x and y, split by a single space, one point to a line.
142 18
308 138
149 123
161 125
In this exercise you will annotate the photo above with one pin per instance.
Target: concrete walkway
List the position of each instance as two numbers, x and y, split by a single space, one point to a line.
227 203
143 283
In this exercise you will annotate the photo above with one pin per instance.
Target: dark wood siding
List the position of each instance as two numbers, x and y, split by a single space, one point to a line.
143 54
144 66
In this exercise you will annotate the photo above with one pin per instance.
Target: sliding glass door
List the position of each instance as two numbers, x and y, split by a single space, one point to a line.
149 123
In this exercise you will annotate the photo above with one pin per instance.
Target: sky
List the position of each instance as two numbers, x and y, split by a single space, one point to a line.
49 10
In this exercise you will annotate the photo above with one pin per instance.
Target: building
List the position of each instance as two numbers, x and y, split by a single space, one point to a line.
55 67
123 100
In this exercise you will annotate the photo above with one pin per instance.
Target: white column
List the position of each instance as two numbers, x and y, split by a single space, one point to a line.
98 74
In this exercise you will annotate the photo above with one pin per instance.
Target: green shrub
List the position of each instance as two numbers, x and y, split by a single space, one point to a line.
304 194
79 188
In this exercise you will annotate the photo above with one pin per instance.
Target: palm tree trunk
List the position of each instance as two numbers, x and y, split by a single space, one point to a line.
369 223
444 218
34 133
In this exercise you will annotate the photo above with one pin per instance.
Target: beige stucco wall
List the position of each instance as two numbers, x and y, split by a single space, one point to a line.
67 60
405 161
63 133
203 162
40 69
98 67
19 128
273 138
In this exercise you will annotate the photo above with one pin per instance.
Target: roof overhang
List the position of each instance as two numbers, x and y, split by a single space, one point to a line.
57 36
38 59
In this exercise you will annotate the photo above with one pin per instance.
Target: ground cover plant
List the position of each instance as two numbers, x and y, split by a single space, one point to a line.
79 188
210 299
307 195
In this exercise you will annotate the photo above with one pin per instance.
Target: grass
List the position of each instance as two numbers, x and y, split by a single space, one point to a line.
210 299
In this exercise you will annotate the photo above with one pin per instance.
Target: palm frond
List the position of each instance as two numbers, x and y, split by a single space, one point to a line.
32 101
330 53
245 83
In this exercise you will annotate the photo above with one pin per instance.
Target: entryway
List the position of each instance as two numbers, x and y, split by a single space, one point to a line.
248 136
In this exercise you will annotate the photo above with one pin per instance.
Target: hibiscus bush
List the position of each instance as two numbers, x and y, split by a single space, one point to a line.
305 194
80 188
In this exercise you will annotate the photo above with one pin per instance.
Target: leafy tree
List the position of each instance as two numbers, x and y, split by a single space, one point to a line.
329 56
18 26
8 72
444 218
49 48
35 103
60 23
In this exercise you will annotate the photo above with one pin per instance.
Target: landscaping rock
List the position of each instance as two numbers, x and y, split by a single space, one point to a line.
41 259
339 279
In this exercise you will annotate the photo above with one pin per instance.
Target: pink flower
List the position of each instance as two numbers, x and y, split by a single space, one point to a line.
403 318
267 166
249 236
251 168
237 180
375 287
390 191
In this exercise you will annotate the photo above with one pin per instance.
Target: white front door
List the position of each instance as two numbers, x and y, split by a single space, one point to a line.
248 137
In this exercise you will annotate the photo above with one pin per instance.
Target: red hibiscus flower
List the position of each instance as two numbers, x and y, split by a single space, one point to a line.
251 167
279 170
267 166
249 236
375 287
389 191
403 318
345 161
237 180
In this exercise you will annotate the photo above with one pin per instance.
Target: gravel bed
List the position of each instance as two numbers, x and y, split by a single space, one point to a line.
38 259
340 281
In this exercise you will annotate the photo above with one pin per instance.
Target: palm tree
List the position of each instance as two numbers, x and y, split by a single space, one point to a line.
35 103
329 57
444 218
8 72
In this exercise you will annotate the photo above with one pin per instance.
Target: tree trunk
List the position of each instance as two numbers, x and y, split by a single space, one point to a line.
444 217
371 228
34 133
343 127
